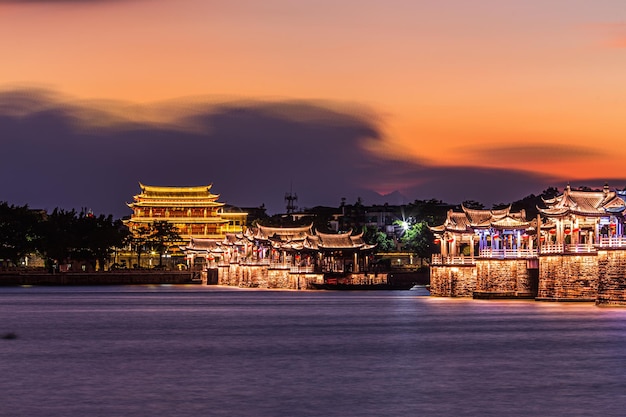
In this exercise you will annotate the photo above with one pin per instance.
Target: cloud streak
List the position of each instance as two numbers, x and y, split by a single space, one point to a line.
548 152
60 152
62 1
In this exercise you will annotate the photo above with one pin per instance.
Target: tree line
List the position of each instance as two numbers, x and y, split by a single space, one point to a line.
65 236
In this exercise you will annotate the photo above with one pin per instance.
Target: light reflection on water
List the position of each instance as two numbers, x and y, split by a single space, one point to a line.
187 351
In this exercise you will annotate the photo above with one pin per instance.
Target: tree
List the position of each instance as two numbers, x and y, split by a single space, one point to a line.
430 211
383 243
138 239
530 203
163 235
157 236
19 234
59 240
417 239
97 238
472 204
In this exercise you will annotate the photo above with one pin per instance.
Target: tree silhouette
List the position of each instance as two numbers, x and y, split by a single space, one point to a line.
164 234
19 233
157 236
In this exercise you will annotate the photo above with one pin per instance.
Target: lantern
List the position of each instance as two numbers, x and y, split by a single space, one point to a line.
553 231
568 231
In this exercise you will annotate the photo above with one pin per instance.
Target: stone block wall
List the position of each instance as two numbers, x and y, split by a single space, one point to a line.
503 275
453 281
261 276
612 277
568 277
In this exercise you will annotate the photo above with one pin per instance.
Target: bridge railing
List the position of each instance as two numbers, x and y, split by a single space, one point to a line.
580 248
508 253
302 269
612 242
453 260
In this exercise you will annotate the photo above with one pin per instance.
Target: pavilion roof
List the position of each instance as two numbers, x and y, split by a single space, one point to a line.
455 222
204 245
283 234
510 222
584 203
337 241
470 219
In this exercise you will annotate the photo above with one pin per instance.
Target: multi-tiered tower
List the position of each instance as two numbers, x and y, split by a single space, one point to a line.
194 211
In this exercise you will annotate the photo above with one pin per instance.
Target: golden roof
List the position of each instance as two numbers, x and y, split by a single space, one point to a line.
201 191
165 196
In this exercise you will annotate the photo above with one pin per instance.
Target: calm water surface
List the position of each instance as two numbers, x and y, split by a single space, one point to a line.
206 351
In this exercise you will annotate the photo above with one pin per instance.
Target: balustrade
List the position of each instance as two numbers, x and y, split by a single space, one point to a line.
612 242
508 253
453 260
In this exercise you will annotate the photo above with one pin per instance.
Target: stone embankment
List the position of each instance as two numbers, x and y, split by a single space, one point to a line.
264 276
97 278
598 277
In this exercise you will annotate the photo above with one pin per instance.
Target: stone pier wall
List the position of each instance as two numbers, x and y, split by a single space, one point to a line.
452 281
568 277
612 277
599 277
503 276
261 276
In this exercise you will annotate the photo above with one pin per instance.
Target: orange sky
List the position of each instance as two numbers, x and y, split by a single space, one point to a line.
536 85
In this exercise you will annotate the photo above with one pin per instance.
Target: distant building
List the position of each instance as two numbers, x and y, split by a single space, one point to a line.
194 211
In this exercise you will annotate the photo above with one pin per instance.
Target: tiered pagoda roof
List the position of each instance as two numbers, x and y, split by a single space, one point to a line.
305 238
161 196
456 222
471 219
282 234
584 203
337 241
204 245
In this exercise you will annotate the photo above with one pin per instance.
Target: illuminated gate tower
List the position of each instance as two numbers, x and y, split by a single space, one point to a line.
194 211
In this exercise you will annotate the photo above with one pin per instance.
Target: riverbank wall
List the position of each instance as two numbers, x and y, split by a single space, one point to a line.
98 278
598 277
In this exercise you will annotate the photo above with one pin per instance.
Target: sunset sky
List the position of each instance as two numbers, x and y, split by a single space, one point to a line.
484 100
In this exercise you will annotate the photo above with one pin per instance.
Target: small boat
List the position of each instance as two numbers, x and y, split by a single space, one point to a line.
9 336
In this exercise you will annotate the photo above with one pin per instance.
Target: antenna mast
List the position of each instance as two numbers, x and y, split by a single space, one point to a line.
290 199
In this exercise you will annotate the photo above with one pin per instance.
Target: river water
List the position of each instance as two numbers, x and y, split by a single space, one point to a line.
210 351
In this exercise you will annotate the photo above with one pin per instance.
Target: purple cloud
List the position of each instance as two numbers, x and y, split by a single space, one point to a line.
91 155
